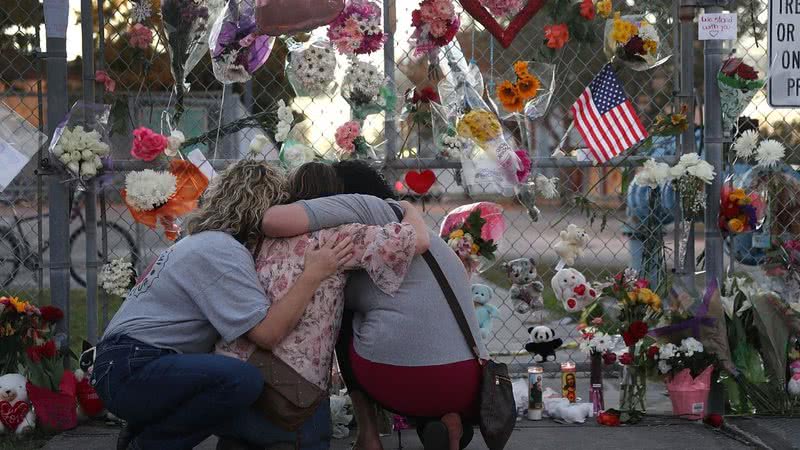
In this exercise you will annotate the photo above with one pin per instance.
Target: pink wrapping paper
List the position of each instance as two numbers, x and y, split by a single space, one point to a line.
492 212
689 395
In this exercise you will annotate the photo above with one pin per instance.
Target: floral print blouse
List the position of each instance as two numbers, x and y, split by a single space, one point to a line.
383 252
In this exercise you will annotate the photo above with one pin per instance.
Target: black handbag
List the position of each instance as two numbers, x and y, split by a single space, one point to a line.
498 411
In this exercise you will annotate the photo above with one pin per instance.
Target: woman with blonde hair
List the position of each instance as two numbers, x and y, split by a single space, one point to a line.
154 366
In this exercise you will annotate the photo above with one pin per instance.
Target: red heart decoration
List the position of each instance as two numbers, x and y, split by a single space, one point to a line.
504 35
572 303
420 182
12 416
580 289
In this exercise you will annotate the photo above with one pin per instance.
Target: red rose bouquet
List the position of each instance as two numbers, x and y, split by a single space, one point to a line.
738 83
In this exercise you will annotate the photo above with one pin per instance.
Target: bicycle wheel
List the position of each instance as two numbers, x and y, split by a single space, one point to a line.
120 245
10 256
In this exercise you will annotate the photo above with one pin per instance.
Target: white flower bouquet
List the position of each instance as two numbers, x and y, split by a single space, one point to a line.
117 277
365 90
690 176
79 147
690 354
148 189
311 70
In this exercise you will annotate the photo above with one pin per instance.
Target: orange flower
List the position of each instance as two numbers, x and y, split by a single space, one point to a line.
506 91
528 86
557 35
521 68
514 104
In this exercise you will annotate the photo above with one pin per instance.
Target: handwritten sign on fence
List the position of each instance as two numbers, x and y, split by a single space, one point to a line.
717 27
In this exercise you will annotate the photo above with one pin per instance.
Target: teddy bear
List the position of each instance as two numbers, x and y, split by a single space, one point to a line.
526 286
543 343
561 410
571 243
16 413
572 290
486 312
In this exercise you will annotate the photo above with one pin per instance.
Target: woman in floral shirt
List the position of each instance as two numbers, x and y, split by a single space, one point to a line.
383 252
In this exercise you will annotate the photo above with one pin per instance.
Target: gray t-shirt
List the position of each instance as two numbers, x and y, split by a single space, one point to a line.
415 326
203 287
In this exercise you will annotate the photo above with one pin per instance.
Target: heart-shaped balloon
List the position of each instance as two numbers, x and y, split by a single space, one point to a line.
420 182
503 35
12 415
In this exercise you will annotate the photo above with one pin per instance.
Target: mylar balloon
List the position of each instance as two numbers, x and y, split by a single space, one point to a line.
277 17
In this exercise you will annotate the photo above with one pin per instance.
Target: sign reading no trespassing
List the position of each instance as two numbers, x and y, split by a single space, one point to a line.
784 53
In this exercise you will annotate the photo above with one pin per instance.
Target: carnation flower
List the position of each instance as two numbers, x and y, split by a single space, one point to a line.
101 76
557 35
147 144
116 277
547 187
147 189
746 144
258 144
139 36
769 153
690 346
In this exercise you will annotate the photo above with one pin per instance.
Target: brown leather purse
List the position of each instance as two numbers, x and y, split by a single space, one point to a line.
288 399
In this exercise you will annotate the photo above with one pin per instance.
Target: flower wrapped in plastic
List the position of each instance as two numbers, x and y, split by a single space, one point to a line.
525 91
236 50
351 143
474 232
740 211
357 29
188 24
80 144
435 24
311 69
634 41
154 197
365 89
738 83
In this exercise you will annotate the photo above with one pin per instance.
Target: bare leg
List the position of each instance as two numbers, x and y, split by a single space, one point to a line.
367 419
454 429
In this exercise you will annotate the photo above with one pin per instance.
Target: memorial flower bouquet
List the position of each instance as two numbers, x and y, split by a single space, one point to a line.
364 89
473 232
738 83
357 29
740 211
529 94
312 70
117 277
435 24
687 369
503 8
690 176
350 142
81 151
18 322
154 197
634 41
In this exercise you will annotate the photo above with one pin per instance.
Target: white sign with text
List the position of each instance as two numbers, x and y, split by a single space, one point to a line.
717 27
784 54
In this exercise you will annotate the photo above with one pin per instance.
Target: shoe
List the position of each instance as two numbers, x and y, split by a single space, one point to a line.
125 437
435 437
226 443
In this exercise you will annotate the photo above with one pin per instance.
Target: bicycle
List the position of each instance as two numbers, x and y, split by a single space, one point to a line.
17 252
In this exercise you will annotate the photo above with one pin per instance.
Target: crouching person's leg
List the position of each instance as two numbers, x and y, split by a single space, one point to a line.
252 428
172 401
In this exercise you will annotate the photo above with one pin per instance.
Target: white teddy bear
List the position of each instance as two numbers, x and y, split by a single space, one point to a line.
561 410
571 244
16 413
572 290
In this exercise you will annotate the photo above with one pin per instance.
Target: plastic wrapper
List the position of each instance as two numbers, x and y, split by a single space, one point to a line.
742 204
311 69
520 389
367 91
341 415
19 142
475 232
524 92
188 24
236 50
80 142
635 42
738 83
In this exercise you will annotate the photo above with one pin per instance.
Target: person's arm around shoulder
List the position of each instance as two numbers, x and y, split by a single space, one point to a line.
284 315
285 221
413 217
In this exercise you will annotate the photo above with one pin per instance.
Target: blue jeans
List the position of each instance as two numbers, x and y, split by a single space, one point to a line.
179 400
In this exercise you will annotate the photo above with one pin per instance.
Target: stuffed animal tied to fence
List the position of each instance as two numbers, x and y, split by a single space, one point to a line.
572 290
486 312
526 285
571 243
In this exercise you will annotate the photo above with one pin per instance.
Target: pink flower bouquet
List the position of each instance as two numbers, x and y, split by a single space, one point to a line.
435 25
357 29
147 144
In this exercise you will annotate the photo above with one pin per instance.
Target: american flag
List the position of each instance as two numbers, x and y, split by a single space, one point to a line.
605 117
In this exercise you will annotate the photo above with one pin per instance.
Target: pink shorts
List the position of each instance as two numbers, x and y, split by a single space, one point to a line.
421 391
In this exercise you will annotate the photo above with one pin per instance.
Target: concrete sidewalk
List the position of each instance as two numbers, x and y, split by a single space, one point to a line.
655 432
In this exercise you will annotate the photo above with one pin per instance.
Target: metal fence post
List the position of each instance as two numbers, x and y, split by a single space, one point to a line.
58 191
390 125
685 94
713 139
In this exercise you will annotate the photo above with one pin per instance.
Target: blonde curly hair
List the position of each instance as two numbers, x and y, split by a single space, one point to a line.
236 200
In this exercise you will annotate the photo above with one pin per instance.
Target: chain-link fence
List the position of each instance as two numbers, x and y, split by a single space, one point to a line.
625 230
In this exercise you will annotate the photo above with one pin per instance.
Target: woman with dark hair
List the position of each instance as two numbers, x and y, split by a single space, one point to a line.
404 352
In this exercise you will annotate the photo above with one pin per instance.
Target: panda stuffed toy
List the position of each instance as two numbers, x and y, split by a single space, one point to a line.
543 343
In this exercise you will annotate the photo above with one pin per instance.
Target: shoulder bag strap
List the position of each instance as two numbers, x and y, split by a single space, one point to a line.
447 290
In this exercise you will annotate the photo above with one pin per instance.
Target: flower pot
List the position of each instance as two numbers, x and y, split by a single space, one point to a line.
55 411
689 395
